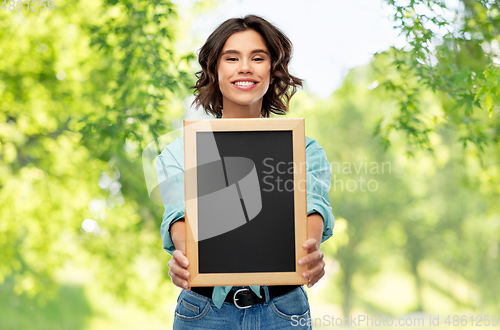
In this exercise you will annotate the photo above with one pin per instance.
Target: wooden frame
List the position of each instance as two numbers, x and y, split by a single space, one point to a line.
296 127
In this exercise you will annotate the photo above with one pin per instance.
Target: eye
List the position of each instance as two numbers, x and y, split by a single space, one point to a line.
235 59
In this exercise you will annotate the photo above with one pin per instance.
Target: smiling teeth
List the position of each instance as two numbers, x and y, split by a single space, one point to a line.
244 83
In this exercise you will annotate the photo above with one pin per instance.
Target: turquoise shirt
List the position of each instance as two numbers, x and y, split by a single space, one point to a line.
318 176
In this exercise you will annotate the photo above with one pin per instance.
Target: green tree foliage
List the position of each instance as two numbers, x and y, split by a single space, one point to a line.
436 208
455 53
82 89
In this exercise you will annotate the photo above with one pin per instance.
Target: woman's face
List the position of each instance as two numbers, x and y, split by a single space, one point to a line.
244 70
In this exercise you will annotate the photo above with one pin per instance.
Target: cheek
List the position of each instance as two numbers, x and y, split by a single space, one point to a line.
267 73
220 73
221 88
221 77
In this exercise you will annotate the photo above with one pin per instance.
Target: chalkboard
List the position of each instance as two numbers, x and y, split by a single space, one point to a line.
245 186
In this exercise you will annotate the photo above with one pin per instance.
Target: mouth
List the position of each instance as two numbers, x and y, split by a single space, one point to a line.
244 85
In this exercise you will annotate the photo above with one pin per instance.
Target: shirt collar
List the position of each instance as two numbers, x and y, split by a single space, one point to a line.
261 116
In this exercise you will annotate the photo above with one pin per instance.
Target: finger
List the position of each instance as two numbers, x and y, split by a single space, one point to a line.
178 281
316 278
315 260
178 270
311 257
310 243
315 269
181 258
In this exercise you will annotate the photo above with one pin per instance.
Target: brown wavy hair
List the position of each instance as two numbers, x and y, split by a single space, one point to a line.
277 97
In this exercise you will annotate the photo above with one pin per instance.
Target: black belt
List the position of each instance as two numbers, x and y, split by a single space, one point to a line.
244 298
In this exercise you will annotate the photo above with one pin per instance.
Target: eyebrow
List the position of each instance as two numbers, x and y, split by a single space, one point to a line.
233 51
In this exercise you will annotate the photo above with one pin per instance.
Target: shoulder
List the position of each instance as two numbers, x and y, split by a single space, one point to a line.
314 152
174 149
312 144
176 144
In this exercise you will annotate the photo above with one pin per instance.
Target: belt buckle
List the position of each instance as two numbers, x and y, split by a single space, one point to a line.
236 299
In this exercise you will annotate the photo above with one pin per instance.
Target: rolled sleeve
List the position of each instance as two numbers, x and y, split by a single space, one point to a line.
319 176
171 182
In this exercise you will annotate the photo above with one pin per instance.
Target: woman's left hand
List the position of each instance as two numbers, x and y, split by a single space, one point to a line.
314 260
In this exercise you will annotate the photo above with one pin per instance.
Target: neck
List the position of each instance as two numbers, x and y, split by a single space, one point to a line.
234 110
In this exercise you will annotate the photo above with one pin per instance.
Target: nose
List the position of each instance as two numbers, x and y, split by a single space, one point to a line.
244 67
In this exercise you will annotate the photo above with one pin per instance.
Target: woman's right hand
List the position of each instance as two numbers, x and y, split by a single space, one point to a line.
178 272
178 264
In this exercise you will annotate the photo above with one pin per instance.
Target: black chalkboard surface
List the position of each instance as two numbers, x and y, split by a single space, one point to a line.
246 218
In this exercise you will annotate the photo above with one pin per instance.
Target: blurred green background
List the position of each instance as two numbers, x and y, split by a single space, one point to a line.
412 137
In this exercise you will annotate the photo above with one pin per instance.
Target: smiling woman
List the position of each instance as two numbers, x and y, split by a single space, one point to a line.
245 49
245 75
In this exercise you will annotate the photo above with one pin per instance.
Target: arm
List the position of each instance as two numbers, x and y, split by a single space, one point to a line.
314 257
315 227
179 262
320 218
177 233
171 182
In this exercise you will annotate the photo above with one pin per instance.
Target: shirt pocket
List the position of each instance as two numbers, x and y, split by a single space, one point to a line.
292 305
191 308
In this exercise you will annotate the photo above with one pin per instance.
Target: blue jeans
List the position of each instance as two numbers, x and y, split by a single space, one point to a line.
288 311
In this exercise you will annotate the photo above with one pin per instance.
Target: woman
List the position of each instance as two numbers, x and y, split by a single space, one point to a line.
245 75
